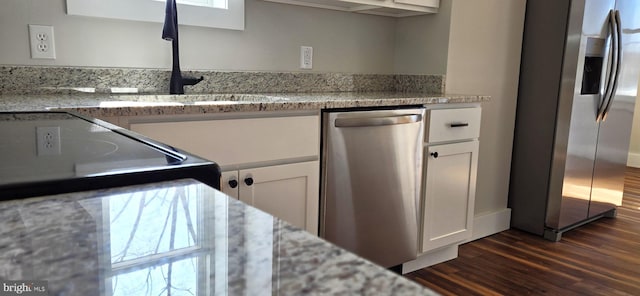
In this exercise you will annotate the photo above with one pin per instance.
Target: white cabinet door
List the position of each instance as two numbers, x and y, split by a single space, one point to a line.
230 184
289 192
449 194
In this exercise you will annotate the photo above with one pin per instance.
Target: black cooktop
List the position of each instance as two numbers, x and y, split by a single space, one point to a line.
55 152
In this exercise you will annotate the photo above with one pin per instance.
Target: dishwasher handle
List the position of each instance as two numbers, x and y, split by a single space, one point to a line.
377 121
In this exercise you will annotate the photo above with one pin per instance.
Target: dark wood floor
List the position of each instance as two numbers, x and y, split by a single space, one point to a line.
601 258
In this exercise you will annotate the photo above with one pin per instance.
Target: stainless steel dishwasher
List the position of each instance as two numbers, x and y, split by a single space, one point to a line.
371 176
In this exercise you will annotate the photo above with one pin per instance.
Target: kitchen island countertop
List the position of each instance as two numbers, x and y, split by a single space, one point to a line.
179 235
107 105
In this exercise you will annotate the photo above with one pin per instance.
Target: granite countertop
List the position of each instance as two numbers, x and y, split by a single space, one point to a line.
106 105
182 235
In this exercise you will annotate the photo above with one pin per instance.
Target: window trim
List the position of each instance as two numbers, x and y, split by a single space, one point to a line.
153 11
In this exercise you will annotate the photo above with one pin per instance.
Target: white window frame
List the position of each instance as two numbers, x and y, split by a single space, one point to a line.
203 3
154 11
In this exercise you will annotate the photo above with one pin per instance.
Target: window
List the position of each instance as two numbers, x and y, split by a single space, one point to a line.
203 3
225 14
160 242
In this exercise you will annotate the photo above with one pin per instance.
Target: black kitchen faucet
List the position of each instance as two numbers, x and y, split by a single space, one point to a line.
170 33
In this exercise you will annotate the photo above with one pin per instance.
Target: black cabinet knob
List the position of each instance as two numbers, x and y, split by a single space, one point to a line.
233 183
248 181
434 154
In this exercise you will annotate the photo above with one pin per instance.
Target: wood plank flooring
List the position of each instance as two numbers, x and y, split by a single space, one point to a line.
600 258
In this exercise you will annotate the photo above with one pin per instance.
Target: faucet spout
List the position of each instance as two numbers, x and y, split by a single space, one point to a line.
192 81
170 33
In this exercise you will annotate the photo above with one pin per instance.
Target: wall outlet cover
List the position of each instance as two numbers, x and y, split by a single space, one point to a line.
306 57
42 42
48 140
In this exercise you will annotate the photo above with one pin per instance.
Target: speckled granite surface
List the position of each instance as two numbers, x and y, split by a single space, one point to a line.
89 91
61 80
177 235
96 105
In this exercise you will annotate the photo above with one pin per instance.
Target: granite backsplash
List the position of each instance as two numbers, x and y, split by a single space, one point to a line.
56 80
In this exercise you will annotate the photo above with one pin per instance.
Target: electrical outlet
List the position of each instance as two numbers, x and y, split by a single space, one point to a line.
306 57
42 42
48 140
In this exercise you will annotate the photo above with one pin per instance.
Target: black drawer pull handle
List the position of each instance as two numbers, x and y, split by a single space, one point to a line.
248 181
459 124
434 154
233 183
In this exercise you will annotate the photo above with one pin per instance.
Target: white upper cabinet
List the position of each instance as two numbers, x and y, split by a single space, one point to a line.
394 8
425 3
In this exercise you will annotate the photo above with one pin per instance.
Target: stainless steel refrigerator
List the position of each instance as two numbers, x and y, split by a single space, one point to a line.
578 85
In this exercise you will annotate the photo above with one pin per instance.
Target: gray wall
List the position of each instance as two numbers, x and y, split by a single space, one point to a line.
484 57
422 42
342 42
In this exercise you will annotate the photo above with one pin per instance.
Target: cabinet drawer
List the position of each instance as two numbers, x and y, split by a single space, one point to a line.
453 124
240 141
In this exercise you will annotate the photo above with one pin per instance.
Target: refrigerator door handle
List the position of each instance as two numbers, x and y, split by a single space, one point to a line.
618 65
612 66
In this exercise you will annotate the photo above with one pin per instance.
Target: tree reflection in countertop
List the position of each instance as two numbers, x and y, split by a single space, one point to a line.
155 244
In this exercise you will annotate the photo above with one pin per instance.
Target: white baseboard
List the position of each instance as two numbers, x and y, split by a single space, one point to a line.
431 258
633 160
485 224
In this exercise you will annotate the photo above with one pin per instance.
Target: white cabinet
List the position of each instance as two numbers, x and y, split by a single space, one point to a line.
422 3
289 191
235 142
393 8
449 194
451 160
270 162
